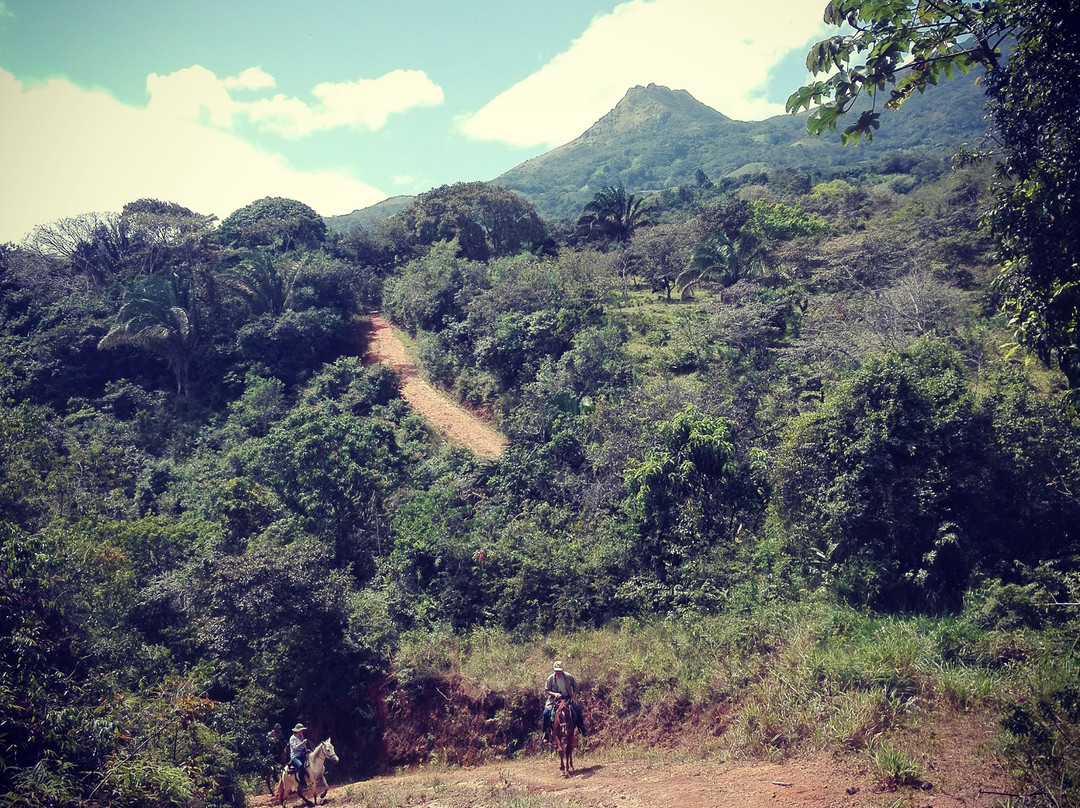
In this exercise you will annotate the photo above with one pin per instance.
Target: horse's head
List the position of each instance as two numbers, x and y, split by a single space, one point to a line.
562 707
328 750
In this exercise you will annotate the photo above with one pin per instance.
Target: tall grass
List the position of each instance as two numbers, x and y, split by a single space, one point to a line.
768 680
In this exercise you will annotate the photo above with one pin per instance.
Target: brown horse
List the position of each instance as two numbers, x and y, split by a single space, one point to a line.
562 733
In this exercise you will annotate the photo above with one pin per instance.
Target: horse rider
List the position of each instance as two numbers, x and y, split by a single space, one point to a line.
275 744
274 748
561 683
298 751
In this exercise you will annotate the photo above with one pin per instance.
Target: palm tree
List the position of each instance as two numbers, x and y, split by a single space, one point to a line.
266 285
720 259
158 315
613 215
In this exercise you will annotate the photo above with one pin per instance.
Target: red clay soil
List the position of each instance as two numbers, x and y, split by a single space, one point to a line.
456 423
957 767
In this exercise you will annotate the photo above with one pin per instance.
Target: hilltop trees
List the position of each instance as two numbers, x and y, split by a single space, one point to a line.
274 221
485 221
1032 91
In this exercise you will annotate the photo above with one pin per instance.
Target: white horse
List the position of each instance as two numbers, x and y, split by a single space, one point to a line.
315 769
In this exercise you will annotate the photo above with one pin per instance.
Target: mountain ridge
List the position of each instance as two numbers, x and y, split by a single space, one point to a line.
657 138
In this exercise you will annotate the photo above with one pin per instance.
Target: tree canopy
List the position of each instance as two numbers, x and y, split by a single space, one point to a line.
274 221
613 215
230 518
1029 50
485 220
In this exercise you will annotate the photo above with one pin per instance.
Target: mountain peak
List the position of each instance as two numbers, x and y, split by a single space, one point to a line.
657 138
653 108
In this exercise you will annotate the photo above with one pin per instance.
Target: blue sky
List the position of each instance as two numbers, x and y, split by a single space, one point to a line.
340 103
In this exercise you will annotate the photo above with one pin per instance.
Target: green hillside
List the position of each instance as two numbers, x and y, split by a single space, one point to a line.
368 218
657 138
780 481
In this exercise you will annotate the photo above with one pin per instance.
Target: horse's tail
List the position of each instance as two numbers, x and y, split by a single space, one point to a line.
279 792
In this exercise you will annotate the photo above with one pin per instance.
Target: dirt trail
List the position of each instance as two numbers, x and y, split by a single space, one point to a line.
606 781
954 752
637 783
458 424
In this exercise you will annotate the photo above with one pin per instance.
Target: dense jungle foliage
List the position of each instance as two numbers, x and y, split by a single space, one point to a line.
737 397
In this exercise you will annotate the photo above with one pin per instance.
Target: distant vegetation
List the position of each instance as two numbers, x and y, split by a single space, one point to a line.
658 139
766 452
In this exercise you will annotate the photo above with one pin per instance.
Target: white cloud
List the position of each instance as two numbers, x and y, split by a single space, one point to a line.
193 94
721 53
252 78
196 94
65 150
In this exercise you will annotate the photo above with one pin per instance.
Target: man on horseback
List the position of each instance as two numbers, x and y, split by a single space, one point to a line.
561 684
298 750
274 749
274 744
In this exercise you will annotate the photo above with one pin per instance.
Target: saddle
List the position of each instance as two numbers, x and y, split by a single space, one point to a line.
294 771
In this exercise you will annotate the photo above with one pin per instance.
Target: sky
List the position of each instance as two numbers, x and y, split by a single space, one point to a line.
214 104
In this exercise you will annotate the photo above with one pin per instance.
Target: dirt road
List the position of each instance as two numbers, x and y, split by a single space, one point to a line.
607 781
633 783
458 424
954 752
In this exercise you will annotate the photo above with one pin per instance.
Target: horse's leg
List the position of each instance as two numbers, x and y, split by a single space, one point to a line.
282 787
300 793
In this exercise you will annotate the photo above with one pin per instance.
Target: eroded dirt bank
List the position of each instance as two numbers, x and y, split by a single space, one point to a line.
957 770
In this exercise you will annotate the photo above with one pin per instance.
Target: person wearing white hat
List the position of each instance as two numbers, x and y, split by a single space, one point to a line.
561 683
298 749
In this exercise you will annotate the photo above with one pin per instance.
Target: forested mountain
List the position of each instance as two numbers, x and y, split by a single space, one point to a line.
656 139
769 468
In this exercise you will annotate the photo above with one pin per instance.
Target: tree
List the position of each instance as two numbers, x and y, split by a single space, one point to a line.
717 258
92 244
1032 97
881 490
612 216
1033 220
265 284
691 489
274 222
434 289
159 315
662 253
488 221
165 233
